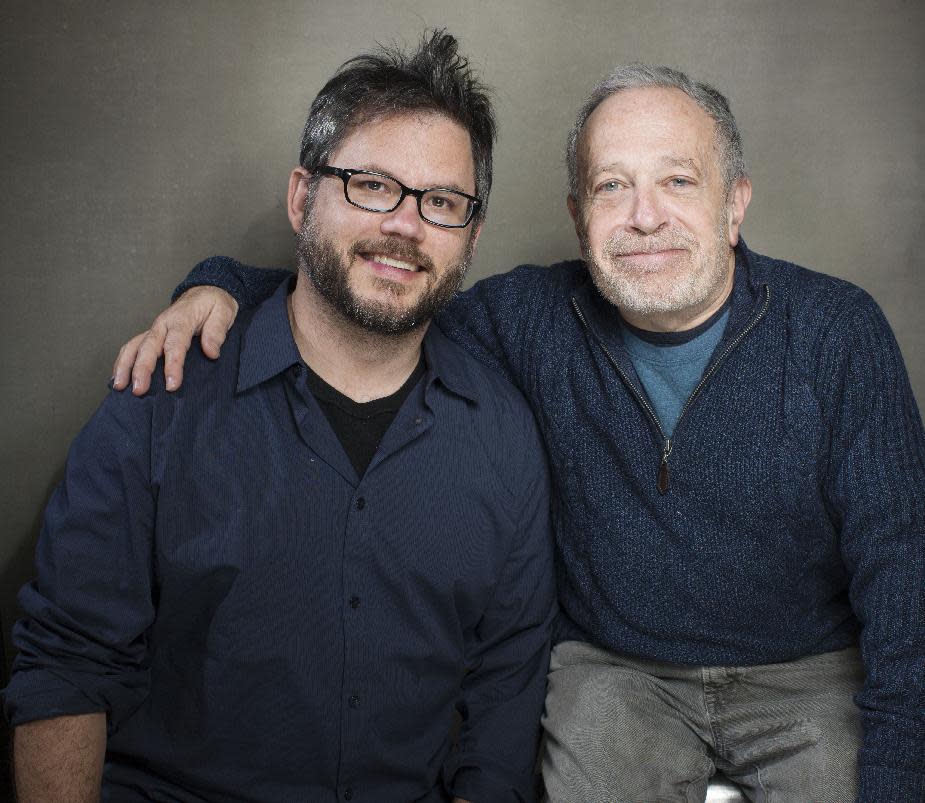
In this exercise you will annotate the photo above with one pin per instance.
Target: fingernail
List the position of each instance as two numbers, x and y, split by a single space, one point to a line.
171 382
135 384
112 382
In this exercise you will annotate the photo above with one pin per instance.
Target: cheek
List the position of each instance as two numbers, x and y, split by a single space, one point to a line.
595 230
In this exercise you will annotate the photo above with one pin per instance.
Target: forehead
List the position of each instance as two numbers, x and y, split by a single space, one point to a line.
641 124
421 149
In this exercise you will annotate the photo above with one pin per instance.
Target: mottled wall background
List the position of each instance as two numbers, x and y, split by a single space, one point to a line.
138 138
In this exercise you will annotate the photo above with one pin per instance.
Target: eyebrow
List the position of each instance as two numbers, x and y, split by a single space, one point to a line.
374 168
667 161
677 161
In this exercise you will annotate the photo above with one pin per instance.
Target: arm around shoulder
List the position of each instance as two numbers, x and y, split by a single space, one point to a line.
495 320
206 303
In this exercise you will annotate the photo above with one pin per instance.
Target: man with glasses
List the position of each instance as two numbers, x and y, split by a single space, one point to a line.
285 581
738 473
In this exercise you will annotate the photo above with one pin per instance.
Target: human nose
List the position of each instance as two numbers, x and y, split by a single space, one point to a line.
404 220
647 214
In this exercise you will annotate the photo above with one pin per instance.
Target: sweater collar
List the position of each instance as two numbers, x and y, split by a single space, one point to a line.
748 296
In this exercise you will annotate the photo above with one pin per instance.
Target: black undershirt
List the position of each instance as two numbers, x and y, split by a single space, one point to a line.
360 425
676 338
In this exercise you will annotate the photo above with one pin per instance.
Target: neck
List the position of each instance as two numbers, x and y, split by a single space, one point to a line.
684 319
362 365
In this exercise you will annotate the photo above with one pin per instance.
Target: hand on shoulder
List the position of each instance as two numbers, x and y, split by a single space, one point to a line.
207 311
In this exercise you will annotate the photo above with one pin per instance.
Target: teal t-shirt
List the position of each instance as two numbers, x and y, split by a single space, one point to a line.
670 364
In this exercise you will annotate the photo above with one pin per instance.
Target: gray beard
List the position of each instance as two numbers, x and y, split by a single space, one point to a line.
627 292
328 272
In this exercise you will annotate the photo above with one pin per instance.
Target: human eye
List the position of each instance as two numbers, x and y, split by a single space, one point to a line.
370 184
680 182
444 201
608 187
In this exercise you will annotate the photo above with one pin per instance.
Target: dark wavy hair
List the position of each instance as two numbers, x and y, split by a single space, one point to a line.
435 78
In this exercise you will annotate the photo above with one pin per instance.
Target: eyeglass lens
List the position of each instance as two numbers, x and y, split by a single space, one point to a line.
382 194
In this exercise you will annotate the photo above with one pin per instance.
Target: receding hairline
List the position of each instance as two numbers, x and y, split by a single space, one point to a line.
716 135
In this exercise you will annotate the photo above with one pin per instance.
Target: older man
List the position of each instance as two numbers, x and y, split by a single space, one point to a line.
281 583
738 472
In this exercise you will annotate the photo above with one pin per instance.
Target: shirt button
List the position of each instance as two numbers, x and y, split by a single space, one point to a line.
419 420
348 793
361 503
294 371
354 700
354 602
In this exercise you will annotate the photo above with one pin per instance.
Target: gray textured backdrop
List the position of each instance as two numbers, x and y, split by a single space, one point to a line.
138 138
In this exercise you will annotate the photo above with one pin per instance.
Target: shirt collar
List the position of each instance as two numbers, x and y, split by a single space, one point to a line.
452 365
268 349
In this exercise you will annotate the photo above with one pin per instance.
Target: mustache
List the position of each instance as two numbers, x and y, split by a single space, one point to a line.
623 244
395 248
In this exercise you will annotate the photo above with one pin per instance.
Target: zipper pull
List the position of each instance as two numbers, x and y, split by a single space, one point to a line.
662 480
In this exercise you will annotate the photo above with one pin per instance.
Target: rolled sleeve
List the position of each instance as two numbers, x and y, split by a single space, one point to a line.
81 646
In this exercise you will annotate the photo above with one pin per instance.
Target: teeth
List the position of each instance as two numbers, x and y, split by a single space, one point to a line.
395 263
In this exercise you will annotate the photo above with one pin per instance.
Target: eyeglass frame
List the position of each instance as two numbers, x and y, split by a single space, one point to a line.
346 173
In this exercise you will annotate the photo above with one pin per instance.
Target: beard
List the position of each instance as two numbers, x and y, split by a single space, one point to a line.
688 283
329 272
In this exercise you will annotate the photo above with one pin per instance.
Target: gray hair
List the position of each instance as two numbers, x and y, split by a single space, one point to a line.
634 76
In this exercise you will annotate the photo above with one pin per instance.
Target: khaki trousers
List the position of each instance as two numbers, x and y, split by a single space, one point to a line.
626 730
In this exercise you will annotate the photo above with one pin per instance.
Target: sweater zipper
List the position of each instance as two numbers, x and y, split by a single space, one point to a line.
661 478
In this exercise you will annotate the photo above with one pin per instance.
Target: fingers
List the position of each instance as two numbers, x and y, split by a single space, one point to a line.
203 308
122 368
222 315
149 351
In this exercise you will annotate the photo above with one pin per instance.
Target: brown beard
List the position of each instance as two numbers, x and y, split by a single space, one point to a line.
328 272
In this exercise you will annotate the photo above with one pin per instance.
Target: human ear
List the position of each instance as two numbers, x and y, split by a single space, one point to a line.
738 203
298 193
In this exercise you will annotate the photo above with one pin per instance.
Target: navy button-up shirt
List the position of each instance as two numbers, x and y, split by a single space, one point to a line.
262 624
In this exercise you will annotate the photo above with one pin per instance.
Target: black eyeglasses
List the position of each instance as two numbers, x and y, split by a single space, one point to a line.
379 192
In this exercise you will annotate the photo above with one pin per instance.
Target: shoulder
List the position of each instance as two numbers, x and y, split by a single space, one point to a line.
496 410
206 382
815 301
469 377
546 280
837 336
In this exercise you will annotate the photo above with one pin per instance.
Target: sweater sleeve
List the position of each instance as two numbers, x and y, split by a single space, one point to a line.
246 284
493 320
876 487
490 320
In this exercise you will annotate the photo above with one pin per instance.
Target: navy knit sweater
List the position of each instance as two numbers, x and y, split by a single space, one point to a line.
784 518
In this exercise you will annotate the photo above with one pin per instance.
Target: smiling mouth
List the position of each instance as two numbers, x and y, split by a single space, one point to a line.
392 262
660 253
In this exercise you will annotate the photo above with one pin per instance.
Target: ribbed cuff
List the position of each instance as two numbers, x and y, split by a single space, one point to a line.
212 271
